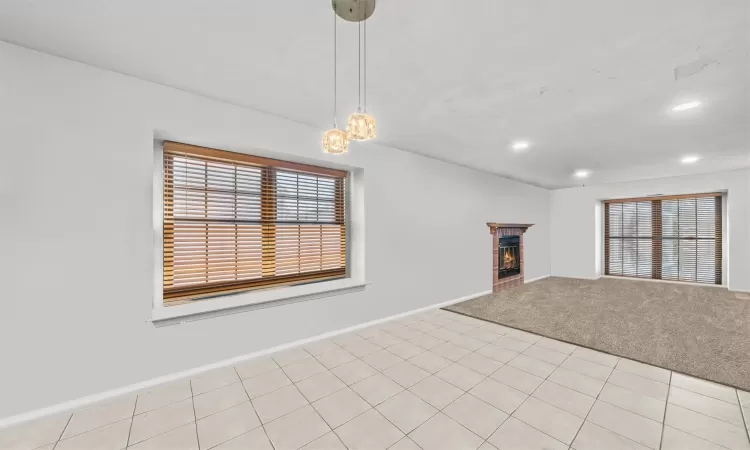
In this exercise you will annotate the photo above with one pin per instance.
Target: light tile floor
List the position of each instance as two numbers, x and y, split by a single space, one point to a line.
432 381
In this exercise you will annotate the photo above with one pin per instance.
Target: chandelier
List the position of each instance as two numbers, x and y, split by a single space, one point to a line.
361 126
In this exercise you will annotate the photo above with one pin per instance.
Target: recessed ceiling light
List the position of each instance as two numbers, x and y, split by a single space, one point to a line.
690 159
520 145
686 106
581 173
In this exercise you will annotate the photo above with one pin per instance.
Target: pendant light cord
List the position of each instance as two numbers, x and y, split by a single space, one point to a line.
335 66
365 88
359 66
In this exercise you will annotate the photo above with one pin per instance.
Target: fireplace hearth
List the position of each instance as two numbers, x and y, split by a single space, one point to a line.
507 254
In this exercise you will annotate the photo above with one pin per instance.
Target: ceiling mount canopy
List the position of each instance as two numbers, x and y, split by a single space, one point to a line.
354 10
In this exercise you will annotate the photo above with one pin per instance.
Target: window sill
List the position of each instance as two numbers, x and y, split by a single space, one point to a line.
232 304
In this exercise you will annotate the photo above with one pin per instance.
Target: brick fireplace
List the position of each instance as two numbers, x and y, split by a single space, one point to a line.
507 254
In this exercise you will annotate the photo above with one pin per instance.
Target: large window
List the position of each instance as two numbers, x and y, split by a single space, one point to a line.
670 238
234 222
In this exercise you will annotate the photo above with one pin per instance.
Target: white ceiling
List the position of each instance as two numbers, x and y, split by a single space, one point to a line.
589 82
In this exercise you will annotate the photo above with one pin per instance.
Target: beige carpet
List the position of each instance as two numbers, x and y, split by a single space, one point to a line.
700 331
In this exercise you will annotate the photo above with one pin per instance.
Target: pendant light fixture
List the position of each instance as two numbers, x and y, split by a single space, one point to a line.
335 141
361 126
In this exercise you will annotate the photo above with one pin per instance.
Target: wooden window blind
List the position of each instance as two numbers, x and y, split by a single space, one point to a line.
675 238
235 222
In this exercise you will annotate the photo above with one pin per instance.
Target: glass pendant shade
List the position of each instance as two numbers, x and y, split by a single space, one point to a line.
361 127
335 141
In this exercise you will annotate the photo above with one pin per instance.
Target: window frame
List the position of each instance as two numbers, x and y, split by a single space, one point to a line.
657 238
240 300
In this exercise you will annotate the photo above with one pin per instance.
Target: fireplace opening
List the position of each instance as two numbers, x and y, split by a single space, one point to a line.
509 256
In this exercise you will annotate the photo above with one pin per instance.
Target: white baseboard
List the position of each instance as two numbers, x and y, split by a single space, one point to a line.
138 387
531 280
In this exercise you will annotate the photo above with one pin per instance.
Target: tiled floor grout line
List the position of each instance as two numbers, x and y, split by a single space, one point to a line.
664 417
181 400
251 404
63 431
706 415
663 424
120 420
594 404
636 392
406 436
308 404
195 416
701 438
132 417
640 393
707 396
87 431
745 420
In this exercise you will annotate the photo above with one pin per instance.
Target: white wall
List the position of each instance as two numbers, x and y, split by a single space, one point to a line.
575 237
77 246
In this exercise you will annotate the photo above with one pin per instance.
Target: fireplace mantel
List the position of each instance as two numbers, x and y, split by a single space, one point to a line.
522 226
501 231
